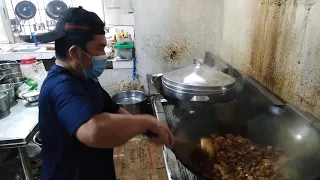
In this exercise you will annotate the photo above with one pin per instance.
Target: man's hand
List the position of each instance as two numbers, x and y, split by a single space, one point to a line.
164 135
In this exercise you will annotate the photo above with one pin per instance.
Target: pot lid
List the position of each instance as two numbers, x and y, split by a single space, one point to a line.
55 8
25 10
198 77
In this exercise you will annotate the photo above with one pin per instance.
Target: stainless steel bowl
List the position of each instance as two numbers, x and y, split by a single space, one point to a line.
9 68
36 139
5 71
31 96
4 104
15 81
9 88
130 100
11 76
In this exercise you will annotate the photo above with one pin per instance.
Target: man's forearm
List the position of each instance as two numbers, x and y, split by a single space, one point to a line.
111 130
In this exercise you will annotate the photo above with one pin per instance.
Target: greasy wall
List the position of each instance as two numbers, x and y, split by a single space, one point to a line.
170 34
277 42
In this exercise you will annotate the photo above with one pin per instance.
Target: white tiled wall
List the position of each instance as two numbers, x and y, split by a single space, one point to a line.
117 12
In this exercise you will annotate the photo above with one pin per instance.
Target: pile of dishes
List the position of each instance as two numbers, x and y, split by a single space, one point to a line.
11 74
11 78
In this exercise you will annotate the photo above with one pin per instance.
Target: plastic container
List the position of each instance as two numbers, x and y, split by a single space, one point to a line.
28 66
124 51
28 85
31 68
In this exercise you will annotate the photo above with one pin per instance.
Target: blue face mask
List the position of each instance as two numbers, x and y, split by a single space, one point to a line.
99 64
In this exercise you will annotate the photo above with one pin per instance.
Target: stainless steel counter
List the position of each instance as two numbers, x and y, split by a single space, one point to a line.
19 126
17 130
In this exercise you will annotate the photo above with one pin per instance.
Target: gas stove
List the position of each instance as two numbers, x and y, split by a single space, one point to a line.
255 113
287 120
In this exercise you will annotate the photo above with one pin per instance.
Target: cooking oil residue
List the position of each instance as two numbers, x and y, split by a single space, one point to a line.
174 51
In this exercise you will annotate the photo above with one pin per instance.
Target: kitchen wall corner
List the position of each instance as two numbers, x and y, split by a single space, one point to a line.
277 43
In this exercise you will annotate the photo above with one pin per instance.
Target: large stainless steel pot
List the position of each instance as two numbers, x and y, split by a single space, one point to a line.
9 88
4 104
16 82
130 100
198 82
196 85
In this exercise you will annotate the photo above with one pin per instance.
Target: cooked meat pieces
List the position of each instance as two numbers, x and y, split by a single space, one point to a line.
235 157
207 145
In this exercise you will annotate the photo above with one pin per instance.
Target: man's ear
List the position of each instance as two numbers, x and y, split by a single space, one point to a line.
74 52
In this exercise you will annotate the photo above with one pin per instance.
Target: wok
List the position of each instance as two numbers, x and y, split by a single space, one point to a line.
298 139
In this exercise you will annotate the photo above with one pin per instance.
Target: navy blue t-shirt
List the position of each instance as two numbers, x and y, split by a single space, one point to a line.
66 102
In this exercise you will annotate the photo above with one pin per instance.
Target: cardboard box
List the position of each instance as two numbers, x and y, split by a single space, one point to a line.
139 160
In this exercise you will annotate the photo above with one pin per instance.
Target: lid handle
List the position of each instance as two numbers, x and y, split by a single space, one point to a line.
201 61
200 98
194 61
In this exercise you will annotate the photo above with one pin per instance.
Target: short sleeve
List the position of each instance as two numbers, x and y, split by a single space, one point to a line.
72 105
109 105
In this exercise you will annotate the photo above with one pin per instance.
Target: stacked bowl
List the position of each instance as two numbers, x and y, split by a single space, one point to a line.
11 74
11 79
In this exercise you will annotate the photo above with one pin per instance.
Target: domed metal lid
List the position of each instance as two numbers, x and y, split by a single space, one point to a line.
198 77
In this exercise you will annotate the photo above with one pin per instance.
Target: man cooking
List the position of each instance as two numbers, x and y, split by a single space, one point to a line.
79 123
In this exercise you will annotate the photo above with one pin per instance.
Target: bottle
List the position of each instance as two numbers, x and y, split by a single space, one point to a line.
113 43
122 33
115 37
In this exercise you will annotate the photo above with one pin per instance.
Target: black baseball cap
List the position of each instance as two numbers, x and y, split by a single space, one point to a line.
74 21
